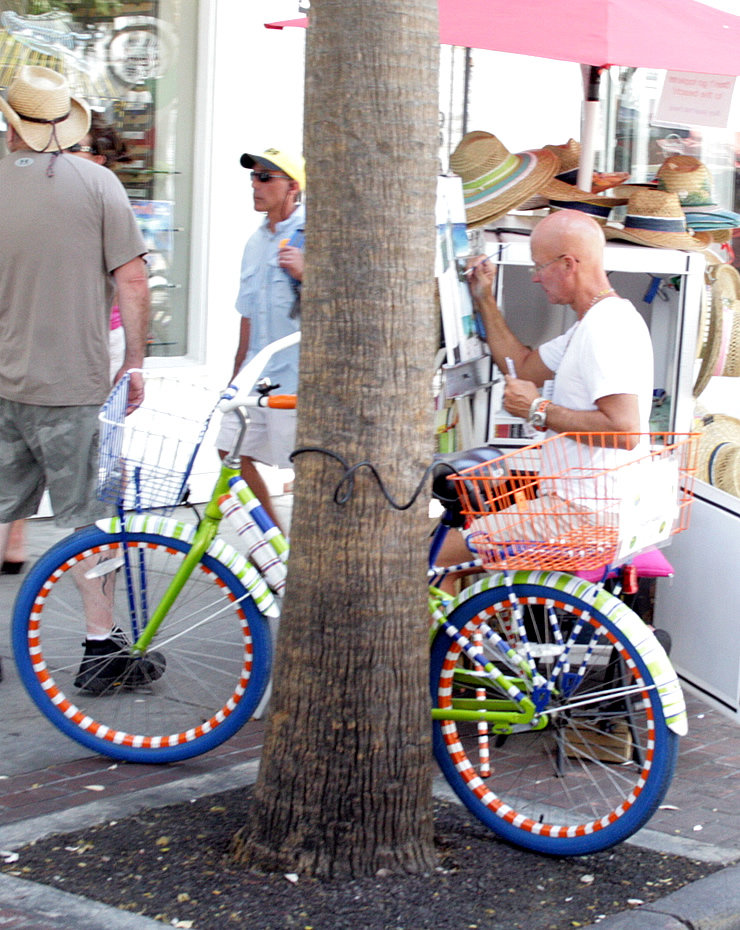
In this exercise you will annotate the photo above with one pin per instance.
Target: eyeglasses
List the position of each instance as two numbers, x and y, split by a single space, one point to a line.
89 149
265 176
536 269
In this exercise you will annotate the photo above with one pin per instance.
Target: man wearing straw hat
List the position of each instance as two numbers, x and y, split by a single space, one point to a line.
68 239
595 378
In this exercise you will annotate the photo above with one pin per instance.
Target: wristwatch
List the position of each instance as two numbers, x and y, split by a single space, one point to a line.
538 414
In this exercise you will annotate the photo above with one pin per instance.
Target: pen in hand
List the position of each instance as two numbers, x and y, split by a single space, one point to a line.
510 366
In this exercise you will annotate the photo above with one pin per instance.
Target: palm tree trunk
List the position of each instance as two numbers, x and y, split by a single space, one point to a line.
345 780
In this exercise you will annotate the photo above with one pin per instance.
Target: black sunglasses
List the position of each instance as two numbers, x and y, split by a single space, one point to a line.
82 148
266 176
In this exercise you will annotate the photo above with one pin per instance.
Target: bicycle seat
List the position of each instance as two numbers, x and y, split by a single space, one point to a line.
449 465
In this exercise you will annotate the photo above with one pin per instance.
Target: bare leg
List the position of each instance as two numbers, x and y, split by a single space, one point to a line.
97 599
454 551
4 536
15 550
251 474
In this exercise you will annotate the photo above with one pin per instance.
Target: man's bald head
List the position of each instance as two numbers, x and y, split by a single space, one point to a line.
570 232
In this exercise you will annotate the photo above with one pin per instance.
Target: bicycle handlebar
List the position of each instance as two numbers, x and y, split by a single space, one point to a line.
276 401
237 394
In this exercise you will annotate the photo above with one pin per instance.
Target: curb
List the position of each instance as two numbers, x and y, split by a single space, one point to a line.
712 903
26 905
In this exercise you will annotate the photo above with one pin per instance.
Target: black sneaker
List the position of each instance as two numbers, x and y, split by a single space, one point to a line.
108 664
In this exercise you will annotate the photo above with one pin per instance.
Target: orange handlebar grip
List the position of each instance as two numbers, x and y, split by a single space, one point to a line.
282 401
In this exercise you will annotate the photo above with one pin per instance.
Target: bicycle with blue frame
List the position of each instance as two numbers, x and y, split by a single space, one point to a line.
556 714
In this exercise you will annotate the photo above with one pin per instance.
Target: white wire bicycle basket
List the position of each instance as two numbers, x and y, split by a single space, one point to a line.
146 457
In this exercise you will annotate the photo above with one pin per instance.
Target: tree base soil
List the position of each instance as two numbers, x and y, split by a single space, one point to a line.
172 864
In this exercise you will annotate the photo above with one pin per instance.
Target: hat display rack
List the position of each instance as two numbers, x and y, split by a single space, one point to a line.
675 211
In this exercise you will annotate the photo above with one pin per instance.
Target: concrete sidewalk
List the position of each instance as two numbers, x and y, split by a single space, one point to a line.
50 784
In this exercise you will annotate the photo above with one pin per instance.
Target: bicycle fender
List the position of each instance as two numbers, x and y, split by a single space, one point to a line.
626 620
219 549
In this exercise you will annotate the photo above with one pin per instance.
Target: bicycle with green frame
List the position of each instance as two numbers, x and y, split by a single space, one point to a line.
556 714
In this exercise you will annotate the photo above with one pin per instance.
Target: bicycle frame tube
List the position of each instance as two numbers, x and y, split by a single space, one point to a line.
204 536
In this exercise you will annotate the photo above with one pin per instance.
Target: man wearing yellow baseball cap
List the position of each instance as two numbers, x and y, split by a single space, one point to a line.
269 305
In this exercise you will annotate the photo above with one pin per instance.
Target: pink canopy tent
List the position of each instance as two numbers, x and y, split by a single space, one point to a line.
676 35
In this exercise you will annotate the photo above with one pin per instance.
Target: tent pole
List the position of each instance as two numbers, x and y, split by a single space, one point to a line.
466 92
590 128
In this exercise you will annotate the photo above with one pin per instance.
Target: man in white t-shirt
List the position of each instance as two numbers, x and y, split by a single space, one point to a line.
601 369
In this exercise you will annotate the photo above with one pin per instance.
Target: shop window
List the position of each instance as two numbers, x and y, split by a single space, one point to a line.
133 62
637 146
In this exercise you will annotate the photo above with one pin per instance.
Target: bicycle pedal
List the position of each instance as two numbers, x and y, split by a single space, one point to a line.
589 741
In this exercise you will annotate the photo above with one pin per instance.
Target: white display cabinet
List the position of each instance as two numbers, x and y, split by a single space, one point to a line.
698 606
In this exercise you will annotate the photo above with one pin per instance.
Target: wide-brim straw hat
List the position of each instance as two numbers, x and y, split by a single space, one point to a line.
495 181
563 186
42 111
655 218
689 178
724 467
717 431
720 354
599 208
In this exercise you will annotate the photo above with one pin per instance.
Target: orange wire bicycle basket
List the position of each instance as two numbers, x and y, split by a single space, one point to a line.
579 501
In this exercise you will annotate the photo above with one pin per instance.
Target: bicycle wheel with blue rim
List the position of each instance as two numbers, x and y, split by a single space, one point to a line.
602 758
198 683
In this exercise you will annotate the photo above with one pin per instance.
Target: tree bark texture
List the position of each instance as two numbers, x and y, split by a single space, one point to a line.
345 780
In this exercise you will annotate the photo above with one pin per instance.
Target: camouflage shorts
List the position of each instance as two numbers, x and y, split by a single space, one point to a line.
52 447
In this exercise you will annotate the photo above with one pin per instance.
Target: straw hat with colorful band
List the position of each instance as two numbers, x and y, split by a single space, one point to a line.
42 111
721 352
655 218
494 180
292 165
689 178
715 429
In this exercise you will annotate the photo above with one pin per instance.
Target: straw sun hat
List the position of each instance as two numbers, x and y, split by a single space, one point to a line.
562 192
718 455
494 180
720 354
655 218
42 111
691 180
563 185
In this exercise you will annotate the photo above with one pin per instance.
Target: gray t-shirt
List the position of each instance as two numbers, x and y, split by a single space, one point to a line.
65 225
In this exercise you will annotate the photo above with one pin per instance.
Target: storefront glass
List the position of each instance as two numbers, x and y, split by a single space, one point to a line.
630 97
133 60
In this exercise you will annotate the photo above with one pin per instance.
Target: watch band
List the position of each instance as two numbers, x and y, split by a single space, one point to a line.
532 407
538 418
